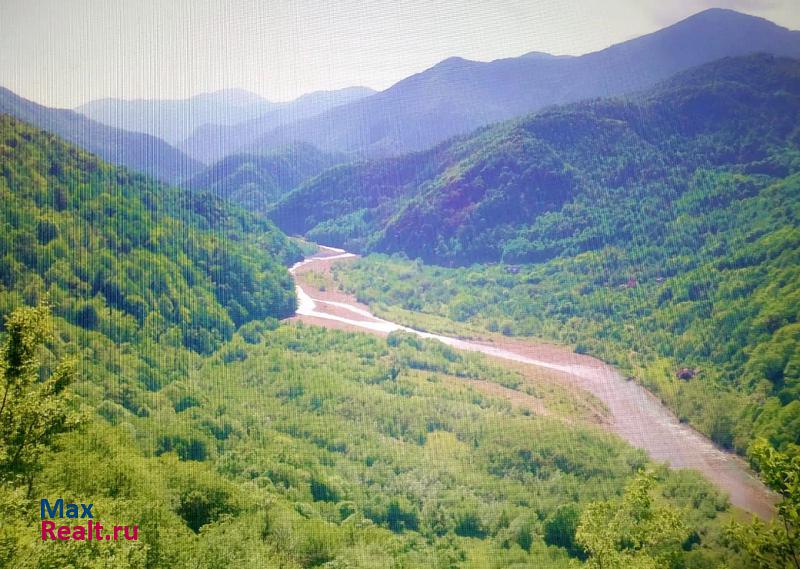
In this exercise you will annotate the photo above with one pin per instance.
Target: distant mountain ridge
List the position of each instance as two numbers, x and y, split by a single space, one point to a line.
213 141
454 97
457 95
137 151
205 125
173 120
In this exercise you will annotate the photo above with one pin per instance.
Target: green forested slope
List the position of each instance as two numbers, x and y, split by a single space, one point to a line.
257 181
132 258
658 232
265 445
565 180
721 295
302 447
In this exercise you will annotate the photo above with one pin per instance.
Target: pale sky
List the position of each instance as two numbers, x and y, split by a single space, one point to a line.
66 52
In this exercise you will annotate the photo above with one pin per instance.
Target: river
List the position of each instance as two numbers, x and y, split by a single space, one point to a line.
635 414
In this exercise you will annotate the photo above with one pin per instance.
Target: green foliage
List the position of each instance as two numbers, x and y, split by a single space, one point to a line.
560 529
719 295
119 253
204 500
565 180
33 409
632 532
316 452
776 544
257 181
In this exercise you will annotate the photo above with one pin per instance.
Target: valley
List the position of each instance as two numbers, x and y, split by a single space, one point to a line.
555 322
634 414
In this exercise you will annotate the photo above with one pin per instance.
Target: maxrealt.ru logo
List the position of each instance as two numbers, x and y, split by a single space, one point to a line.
90 531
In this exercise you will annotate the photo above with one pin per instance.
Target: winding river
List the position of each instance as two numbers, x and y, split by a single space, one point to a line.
635 414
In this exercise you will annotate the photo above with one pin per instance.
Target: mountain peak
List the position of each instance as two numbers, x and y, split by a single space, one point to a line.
542 55
334 95
725 16
453 61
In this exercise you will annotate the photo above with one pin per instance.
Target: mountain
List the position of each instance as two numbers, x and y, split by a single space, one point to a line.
136 151
174 120
660 232
120 253
257 182
165 390
552 182
543 55
457 95
215 140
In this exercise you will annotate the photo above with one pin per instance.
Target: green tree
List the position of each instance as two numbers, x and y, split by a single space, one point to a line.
633 531
776 544
560 528
33 410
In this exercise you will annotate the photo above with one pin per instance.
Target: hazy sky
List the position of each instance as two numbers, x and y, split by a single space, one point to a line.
65 52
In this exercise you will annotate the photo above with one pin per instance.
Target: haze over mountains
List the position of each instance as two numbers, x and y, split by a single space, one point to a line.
458 95
169 139
206 126
140 152
174 120
213 141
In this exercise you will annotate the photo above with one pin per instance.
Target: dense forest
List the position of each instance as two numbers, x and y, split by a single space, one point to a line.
303 447
566 180
719 294
727 311
119 253
256 181
163 389
657 232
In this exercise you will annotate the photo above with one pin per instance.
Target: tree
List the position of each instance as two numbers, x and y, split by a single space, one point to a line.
33 410
776 544
633 531
560 528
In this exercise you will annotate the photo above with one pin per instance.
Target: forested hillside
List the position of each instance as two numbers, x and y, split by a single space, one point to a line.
135 150
566 180
674 257
258 181
725 313
303 447
122 254
165 393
